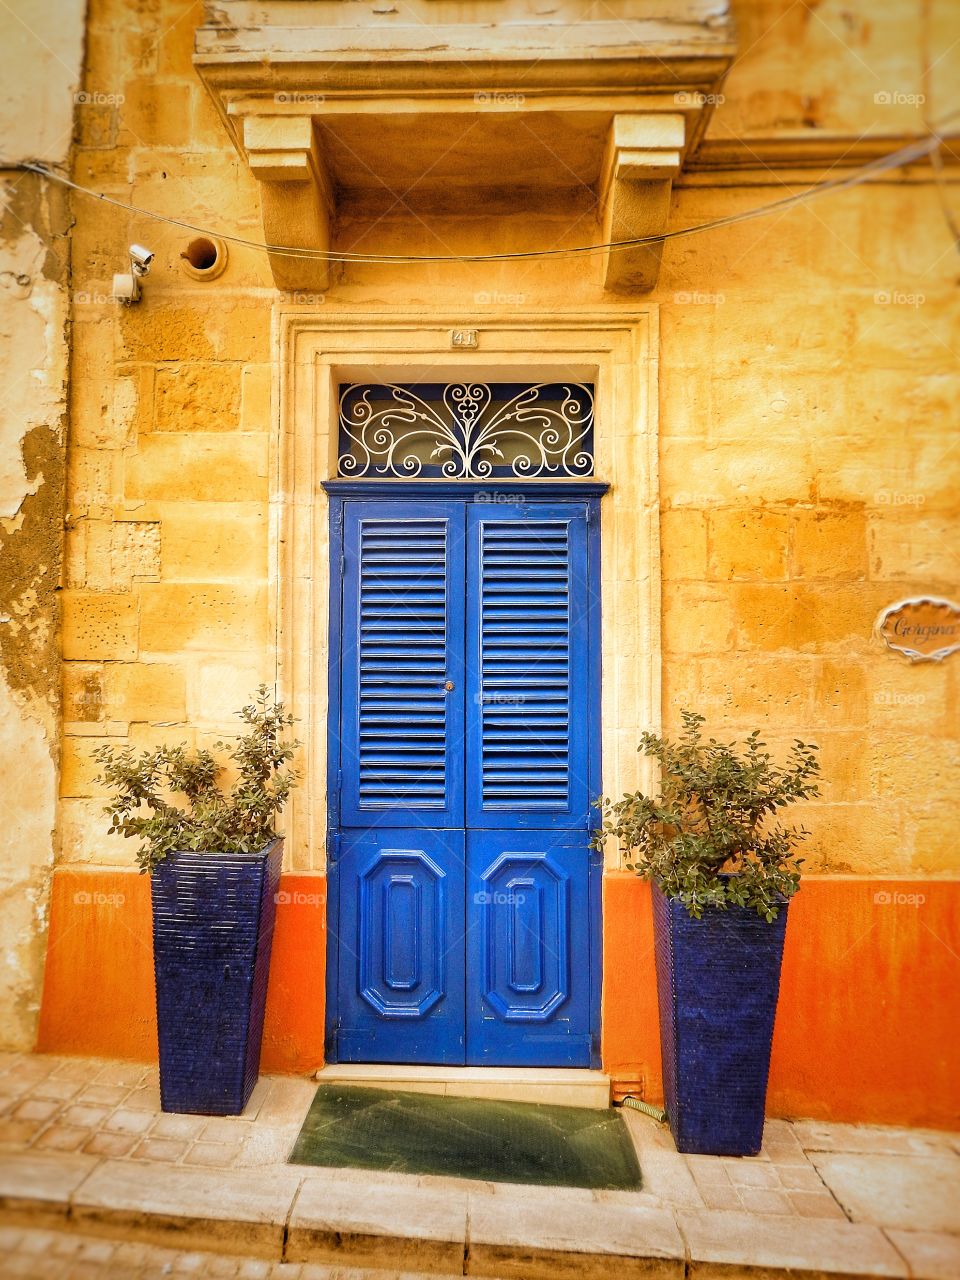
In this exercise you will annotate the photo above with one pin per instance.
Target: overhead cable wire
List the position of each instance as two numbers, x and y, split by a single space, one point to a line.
925 147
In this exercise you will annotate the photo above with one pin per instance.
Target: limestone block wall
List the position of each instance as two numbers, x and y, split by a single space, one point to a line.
809 477
806 71
165 629
40 71
807 405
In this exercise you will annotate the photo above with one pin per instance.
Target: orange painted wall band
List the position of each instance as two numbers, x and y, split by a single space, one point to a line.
98 993
866 1027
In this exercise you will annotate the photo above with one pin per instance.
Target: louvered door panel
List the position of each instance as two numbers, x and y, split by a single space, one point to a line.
403 627
528 665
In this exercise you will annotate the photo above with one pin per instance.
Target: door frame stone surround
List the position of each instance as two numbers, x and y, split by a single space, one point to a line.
615 349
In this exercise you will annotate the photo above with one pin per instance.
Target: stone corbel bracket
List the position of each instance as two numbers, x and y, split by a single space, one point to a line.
643 156
296 198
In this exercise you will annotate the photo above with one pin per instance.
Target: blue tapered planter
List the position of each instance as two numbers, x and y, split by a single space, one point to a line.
718 979
213 916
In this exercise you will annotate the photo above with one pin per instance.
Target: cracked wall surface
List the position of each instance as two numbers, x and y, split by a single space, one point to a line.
40 72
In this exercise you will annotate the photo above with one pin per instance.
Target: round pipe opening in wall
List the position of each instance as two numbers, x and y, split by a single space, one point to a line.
204 258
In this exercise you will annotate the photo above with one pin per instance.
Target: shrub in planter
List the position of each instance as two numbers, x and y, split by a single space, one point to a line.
723 869
214 864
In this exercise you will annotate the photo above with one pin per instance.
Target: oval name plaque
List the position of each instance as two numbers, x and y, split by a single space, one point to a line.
923 628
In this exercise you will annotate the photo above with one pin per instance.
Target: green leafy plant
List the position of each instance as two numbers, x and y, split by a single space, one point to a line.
238 819
712 838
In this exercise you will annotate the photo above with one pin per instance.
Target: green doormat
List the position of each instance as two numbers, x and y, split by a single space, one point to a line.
353 1126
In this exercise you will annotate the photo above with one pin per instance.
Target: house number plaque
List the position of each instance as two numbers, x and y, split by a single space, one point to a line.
924 628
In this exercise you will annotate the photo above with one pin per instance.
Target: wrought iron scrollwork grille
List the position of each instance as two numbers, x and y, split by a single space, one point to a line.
466 430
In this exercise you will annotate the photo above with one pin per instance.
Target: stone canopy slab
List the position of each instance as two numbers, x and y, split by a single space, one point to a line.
336 107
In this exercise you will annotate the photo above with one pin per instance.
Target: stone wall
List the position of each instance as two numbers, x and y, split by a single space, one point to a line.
809 476
806 72
39 74
808 465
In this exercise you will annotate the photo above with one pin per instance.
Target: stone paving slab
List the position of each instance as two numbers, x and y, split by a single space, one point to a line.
665 1173
386 1225
42 1181
719 1241
856 1139
570 1239
248 1209
112 1110
920 1194
931 1255
58 1254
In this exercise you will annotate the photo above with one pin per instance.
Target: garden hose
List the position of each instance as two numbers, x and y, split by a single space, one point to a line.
655 1113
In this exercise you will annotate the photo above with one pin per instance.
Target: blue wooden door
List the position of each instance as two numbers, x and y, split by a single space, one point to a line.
468 897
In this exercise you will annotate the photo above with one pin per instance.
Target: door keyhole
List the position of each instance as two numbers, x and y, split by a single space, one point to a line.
448 685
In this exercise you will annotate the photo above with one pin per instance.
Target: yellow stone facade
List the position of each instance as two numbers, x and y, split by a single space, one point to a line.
802 381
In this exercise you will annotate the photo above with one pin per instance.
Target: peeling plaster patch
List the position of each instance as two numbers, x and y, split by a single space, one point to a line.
33 367
26 864
34 223
30 560
40 67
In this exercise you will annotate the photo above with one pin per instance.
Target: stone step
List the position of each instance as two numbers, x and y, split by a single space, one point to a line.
557 1086
34 1253
442 1226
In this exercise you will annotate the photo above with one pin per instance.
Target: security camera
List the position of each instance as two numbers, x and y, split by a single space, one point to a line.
126 286
140 259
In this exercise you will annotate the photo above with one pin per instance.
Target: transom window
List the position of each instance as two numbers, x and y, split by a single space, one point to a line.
466 430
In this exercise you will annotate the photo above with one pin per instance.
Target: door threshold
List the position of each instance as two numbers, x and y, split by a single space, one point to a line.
557 1086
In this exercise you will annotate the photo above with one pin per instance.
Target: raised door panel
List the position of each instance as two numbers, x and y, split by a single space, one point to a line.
401 941
528 948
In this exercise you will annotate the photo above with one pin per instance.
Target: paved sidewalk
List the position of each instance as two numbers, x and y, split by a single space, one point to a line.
31 1253
85 1152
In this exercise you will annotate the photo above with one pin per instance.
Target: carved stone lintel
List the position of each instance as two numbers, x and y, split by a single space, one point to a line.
643 156
295 196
